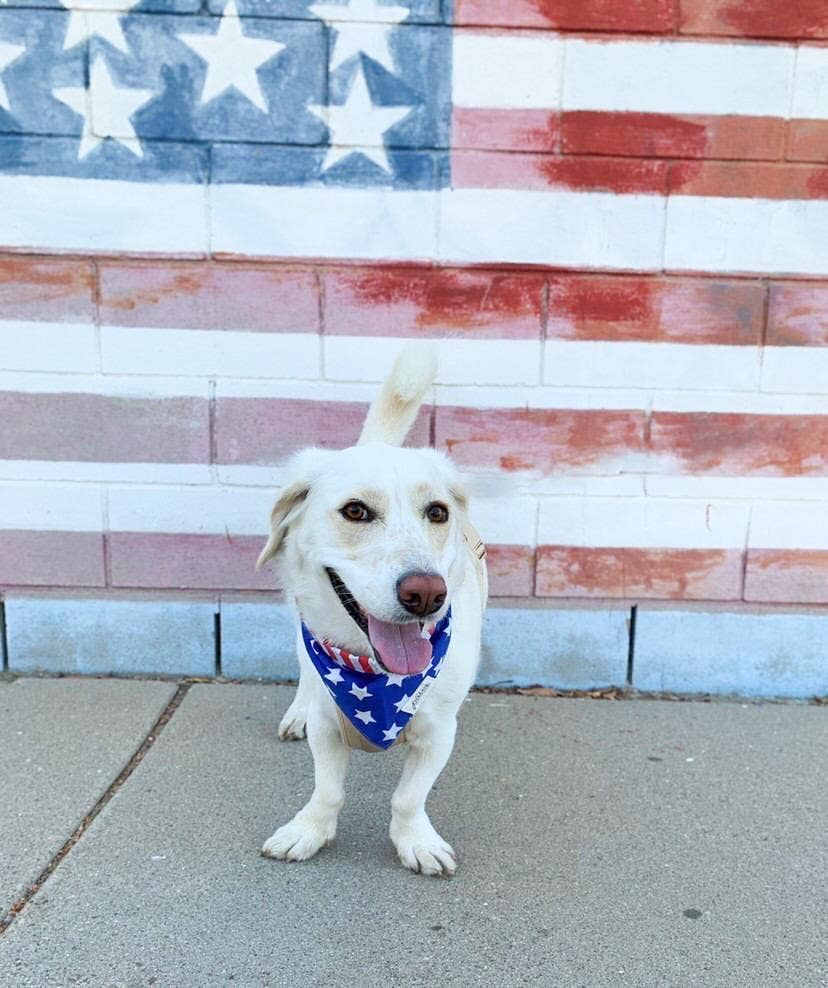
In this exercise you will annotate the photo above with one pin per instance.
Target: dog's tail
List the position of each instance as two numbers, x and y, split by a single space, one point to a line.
393 411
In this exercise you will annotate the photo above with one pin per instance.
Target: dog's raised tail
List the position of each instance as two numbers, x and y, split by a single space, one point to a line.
393 411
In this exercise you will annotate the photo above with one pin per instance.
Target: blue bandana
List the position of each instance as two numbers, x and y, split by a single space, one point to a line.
378 703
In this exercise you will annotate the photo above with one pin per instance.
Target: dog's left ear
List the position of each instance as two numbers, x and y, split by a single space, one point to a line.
290 502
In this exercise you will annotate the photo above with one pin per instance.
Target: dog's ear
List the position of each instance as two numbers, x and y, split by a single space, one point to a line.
291 500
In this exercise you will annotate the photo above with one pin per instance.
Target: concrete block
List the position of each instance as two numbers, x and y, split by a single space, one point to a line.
168 637
749 653
258 641
567 648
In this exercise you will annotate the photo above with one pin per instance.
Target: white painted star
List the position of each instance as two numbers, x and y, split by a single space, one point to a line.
357 126
8 53
361 26
106 109
393 680
88 18
232 58
335 676
365 716
391 733
359 692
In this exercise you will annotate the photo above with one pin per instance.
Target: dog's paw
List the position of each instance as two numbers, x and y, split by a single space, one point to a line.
423 850
292 725
297 840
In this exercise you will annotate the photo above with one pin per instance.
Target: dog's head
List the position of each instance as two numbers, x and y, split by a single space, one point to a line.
371 539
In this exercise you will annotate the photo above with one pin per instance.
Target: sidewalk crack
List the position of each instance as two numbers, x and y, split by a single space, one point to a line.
152 736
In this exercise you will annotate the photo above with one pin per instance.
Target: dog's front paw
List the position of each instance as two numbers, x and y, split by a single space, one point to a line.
292 725
423 850
298 840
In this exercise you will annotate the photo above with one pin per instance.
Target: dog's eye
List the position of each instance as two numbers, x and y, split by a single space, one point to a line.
356 511
437 513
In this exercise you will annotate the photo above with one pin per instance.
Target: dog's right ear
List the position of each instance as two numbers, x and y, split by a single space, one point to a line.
291 501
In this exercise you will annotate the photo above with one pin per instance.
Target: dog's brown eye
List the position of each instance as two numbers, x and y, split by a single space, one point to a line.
437 513
356 511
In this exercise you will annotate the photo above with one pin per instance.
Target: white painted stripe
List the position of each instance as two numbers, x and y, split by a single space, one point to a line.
514 71
203 352
102 215
765 236
212 510
777 525
573 229
643 523
797 369
82 472
602 363
543 397
72 474
323 222
679 77
105 384
740 403
576 229
45 507
508 521
810 98
481 362
739 488
48 346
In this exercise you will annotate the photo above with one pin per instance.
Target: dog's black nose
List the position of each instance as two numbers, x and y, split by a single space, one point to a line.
421 593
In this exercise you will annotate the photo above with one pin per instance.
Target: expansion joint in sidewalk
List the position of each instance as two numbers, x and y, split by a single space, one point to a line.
152 736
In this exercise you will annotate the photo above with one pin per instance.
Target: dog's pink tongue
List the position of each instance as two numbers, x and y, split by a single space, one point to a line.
401 647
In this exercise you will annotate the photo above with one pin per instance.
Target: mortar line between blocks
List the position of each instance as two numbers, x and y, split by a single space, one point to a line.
20 904
631 645
4 640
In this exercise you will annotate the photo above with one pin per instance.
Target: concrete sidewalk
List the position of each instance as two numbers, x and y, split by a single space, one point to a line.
601 843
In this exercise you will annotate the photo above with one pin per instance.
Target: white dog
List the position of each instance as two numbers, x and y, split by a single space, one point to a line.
388 581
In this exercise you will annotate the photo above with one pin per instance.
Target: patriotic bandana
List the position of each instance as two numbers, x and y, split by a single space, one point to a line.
379 704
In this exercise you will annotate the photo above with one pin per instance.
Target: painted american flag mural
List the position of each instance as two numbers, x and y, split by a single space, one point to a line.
217 222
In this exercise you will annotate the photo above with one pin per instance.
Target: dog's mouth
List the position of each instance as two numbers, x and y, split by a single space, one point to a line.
402 649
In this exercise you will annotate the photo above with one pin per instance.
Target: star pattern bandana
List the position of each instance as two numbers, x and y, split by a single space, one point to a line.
378 703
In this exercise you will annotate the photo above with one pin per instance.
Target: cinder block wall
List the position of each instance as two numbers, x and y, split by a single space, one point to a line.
217 229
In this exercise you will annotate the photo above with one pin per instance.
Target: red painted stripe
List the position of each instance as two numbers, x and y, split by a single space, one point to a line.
265 430
808 140
546 440
511 570
798 315
594 173
189 295
755 18
505 130
737 444
433 302
38 290
106 429
646 16
673 574
674 310
187 561
51 559
663 135
500 170
787 575
751 180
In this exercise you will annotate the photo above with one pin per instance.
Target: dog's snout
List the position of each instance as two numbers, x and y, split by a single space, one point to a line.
421 593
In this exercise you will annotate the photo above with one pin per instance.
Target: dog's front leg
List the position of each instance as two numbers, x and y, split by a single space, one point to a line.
418 844
292 725
314 825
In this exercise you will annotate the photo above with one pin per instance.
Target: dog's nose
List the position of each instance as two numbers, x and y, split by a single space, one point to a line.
421 593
